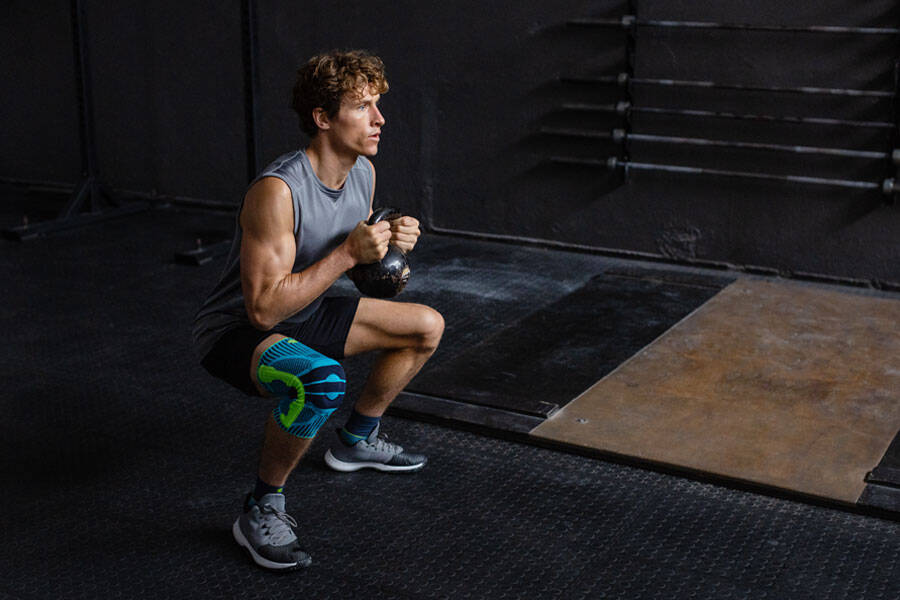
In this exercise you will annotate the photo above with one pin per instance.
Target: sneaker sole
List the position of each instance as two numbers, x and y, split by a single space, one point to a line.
347 467
260 560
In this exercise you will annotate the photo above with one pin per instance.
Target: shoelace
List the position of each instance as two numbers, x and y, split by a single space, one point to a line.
278 524
383 445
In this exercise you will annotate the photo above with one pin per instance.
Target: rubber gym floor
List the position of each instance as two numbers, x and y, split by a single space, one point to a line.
124 463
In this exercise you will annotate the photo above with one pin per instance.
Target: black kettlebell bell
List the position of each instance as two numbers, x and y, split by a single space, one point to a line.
387 277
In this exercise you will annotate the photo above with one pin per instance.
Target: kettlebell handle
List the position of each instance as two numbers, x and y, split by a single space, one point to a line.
385 213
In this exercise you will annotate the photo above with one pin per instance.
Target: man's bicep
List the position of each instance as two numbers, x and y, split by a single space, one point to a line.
268 246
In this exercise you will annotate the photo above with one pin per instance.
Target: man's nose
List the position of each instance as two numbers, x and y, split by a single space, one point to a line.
377 117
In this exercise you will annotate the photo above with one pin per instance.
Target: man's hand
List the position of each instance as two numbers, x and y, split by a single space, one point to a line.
368 243
405 233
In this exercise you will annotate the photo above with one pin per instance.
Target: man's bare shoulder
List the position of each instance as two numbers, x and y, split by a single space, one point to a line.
267 204
268 187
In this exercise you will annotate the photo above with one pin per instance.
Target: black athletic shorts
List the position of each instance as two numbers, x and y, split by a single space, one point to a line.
325 331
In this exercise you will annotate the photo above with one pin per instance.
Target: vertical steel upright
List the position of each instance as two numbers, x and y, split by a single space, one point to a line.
251 85
630 53
893 166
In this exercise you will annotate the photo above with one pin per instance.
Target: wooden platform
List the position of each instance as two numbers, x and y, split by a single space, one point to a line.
773 383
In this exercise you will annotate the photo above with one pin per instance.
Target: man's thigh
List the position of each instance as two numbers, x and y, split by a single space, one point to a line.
254 361
385 325
324 332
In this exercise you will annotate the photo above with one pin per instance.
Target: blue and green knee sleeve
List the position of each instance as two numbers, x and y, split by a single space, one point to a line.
309 386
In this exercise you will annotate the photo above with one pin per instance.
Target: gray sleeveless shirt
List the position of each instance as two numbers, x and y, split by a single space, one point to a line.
323 217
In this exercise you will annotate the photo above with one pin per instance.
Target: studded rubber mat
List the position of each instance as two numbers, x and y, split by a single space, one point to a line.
485 519
123 465
544 360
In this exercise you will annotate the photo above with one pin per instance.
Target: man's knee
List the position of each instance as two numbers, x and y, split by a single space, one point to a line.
430 328
309 386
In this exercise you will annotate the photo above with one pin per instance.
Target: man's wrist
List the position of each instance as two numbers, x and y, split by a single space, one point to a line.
345 258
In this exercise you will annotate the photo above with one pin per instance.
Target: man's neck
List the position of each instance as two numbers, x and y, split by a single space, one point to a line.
329 166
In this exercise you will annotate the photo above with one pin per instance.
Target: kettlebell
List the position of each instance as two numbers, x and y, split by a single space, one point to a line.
387 277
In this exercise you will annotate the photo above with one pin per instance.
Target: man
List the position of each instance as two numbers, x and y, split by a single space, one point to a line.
268 330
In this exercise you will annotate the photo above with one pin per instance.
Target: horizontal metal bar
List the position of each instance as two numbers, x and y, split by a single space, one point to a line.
595 79
39 185
621 107
847 183
630 21
625 108
644 137
620 135
623 79
203 254
613 163
31 231
583 133
581 162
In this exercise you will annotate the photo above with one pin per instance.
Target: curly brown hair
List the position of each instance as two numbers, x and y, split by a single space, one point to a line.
325 78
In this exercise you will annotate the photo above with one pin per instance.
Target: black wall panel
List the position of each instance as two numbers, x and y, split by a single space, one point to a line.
474 88
168 81
470 83
39 139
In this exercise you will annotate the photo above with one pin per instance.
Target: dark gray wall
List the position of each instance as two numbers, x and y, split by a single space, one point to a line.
169 96
167 89
781 226
472 84
468 89
39 136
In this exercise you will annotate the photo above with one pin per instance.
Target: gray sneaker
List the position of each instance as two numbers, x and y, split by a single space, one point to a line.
374 453
266 531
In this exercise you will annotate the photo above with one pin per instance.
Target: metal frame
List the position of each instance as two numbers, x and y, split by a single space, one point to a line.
202 254
91 201
630 23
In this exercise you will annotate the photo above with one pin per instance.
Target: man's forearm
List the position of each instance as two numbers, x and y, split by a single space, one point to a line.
295 291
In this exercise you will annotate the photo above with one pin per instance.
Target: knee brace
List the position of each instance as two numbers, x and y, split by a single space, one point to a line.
308 385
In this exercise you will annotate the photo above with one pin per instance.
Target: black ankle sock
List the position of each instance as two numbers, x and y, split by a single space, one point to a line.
262 488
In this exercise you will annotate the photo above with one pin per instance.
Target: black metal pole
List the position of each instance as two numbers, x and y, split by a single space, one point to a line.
614 163
631 21
251 85
624 136
624 79
624 107
84 92
631 55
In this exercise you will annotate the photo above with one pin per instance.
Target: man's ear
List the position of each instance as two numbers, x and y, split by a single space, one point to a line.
321 118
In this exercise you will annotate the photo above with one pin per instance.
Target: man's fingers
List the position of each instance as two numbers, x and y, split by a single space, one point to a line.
380 233
404 232
405 223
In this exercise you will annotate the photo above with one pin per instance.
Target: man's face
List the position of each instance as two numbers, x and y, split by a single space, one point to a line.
357 126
